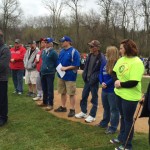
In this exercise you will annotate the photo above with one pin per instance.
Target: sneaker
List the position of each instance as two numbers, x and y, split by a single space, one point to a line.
41 98
2 122
90 119
61 109
33 95
14 92
36 98
19 93
114 141
81 115
71 113
122 148
49 107
41 104
29 93
101 126
109 132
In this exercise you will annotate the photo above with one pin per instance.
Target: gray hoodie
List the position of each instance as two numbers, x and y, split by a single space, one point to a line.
29 63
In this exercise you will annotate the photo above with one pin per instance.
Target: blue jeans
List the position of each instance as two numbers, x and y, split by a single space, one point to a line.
85 93
127 110
17 76
111 111
48 88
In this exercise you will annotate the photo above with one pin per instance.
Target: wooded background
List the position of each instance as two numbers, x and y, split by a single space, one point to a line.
114 21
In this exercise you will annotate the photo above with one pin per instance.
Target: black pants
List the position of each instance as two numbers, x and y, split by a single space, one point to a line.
3 100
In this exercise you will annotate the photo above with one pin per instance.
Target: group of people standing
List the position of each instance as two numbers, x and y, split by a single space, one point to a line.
120 79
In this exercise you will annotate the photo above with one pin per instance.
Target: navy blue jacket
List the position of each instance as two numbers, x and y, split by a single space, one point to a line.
94 78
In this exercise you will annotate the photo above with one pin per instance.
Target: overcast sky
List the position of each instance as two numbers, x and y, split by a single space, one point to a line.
36 8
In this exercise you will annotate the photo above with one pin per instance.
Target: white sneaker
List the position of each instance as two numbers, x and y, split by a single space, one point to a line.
19 93
36 98
41 98
81 115
90 119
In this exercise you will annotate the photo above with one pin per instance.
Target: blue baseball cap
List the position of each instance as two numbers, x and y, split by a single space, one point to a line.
49 40
65 38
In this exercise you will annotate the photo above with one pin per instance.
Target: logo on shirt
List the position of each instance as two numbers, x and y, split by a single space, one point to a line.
121 68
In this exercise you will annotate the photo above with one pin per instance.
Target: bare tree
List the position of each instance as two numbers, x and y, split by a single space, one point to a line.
134 16
11 11
106 6
55 8
115 19
146 10
125 19
75 5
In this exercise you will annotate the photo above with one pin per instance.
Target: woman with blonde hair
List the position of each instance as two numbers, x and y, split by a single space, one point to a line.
111 112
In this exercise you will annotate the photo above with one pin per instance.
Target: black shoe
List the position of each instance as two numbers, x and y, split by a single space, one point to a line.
2 122
29 94
61 109
33 95
71 113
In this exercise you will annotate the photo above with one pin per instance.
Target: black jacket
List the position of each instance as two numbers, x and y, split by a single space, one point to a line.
4 62
95 71
146 106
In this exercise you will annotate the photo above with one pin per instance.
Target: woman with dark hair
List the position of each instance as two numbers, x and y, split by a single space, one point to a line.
127 74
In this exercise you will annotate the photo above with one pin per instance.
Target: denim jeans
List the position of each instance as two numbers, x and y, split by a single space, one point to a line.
17 76
127 110
85 93
48 88
111 111
3 100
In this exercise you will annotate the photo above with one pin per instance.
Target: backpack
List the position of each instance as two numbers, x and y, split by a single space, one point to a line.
72 54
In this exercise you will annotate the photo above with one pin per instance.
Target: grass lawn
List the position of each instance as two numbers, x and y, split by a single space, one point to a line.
31 128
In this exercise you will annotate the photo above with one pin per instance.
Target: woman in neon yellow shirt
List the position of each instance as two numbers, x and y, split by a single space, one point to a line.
127 73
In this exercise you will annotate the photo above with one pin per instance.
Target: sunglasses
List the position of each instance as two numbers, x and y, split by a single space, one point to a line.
47 42
91 46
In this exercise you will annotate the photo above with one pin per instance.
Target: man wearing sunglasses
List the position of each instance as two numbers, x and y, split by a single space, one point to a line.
90 77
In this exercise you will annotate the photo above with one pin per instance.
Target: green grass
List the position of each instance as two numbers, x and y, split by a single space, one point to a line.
31 128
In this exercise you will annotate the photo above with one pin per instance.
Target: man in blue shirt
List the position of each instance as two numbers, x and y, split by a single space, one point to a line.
69 58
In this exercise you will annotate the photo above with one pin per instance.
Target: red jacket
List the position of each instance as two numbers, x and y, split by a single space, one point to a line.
38 64
18 56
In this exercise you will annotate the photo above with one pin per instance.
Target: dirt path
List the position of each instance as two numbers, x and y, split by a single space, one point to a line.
140 126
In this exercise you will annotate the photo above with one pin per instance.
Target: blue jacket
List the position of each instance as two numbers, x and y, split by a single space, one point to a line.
106 78
49 61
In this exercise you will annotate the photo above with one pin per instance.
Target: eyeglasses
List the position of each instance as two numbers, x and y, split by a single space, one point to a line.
91 46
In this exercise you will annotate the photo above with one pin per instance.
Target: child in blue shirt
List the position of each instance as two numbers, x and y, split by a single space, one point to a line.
111 112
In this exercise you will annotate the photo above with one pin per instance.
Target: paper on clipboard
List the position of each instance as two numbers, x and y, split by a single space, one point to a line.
61 73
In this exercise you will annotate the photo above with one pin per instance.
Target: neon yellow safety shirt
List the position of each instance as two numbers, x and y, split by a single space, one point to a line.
129 68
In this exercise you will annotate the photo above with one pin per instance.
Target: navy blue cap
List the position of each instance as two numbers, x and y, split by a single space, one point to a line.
65 38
